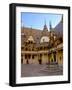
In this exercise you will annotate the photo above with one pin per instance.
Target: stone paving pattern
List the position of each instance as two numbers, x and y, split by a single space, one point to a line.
31 70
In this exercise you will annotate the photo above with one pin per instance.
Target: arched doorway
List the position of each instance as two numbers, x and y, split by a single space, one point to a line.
26 58
21 59
27 62
40 59
54 56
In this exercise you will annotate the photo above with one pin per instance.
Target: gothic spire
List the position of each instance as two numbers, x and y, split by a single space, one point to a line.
45 27
50 26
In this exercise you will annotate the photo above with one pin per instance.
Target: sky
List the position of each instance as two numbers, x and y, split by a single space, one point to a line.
38 20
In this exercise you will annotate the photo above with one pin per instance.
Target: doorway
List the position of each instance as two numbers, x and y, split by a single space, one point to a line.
27 62
54 56
40 61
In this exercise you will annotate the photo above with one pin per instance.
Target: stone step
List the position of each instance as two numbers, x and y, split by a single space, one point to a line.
51 71
53 66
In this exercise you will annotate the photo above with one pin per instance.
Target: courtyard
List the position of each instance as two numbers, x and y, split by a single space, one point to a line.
33 70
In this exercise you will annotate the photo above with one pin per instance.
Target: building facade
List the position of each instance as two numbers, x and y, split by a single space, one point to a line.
42 46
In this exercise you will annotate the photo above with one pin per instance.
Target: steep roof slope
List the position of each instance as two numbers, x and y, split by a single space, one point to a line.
59 28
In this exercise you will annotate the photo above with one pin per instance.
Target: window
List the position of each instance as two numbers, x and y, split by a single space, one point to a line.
40 55
40 48
32 56
28 42
26 49
31 42
43 40
25 56
32 49
21 58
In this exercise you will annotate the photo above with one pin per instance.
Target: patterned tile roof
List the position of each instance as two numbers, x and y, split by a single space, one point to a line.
35 33
59 28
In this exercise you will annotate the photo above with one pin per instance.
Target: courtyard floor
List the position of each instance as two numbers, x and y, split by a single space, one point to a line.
31 70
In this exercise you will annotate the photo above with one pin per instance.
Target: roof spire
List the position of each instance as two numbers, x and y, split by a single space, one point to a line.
45 26
50 26
45 22
31 26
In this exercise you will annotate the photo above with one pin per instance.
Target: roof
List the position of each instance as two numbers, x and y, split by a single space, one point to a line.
35 33
59 28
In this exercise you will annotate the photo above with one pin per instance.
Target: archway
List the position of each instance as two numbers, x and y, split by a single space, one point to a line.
27 62
54 56
40 59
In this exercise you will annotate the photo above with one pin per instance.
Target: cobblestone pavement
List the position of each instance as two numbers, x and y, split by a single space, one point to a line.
30 70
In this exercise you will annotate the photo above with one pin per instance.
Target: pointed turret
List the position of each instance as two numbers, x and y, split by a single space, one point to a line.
45 27
45 30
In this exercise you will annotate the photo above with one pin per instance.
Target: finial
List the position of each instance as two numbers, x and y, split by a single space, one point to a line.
45 22
45 26
50 25
31 26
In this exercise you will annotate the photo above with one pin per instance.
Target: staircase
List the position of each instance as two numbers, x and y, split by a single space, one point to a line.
53 69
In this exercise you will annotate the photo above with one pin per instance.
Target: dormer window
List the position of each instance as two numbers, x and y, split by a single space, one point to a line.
30 39
44 39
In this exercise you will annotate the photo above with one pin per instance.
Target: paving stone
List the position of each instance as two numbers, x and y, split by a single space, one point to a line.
31 70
